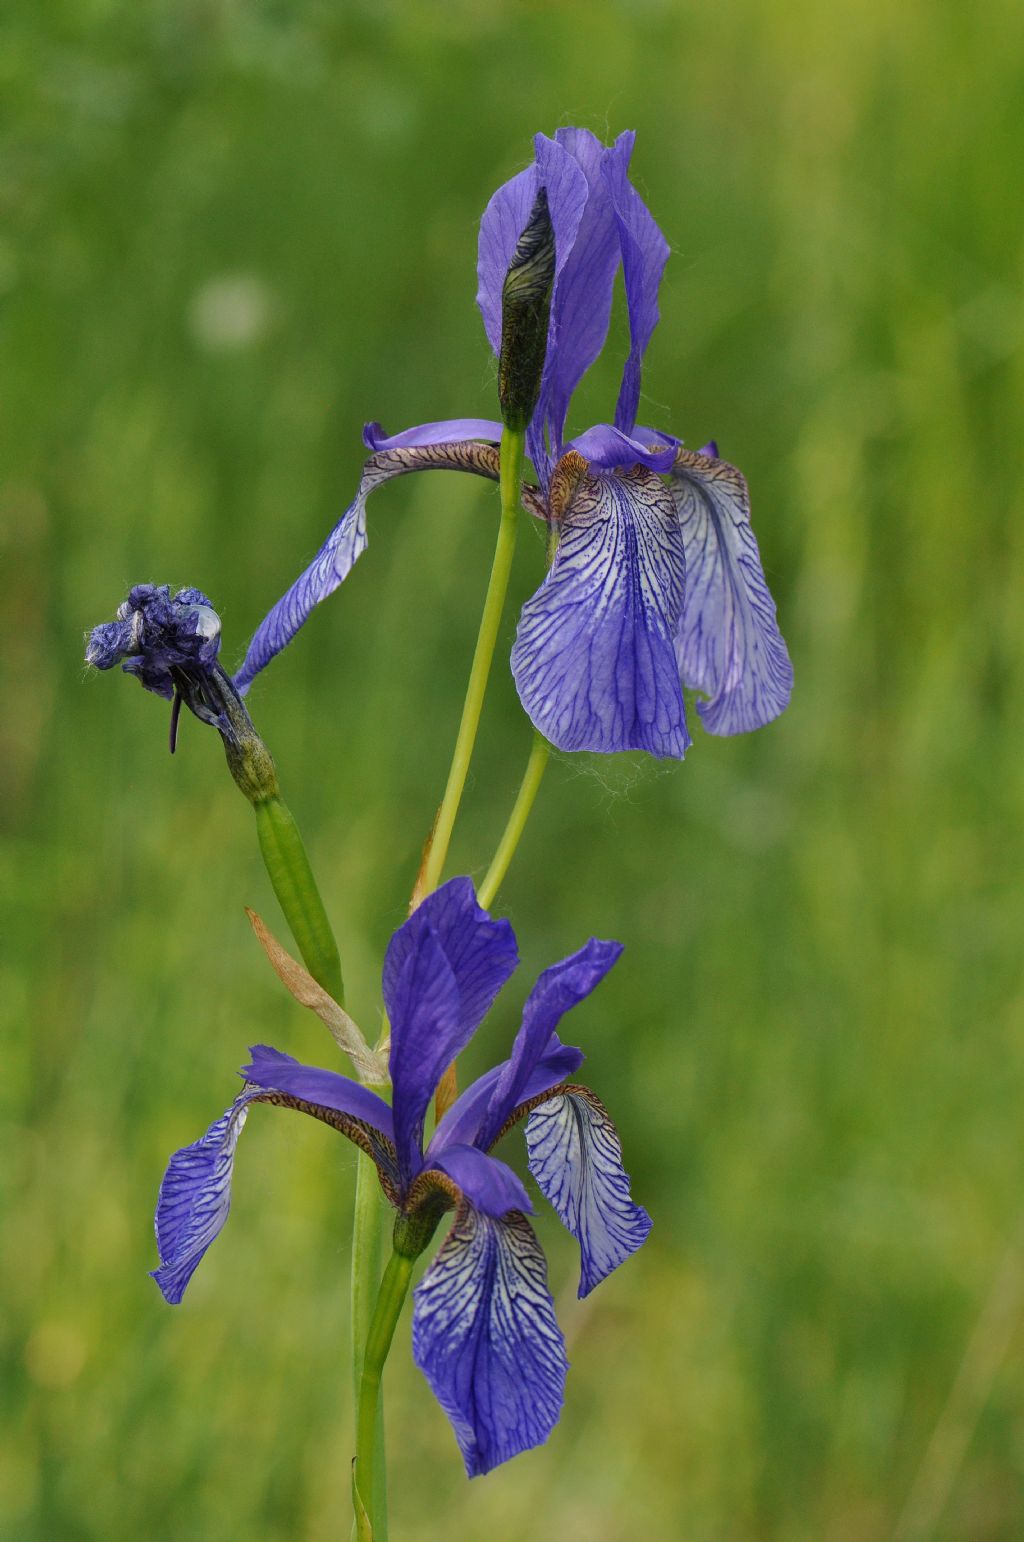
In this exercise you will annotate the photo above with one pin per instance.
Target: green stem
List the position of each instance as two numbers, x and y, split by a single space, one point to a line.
366 1258
512 452
528 789
292 877
367 1478
287 865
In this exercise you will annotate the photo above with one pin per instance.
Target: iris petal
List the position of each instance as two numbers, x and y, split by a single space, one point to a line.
593 658
448 431
644 255
501 224
581 300
277 1072
347 542
556 992
442 970
728 644
481 951
422 1001
488 1184
576 1159
484 1334
195 1197
607 448
463 1120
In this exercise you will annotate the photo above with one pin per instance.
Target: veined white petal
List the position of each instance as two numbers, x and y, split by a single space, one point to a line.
593 658
576 1158
728 644
484 1334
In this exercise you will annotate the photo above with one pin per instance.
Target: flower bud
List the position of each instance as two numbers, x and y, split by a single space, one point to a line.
525 307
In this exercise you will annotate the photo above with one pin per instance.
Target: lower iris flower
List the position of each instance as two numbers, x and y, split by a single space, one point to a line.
484 1329
657 581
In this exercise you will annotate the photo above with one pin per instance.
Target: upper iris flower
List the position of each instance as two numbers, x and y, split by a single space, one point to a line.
484 1329
656 583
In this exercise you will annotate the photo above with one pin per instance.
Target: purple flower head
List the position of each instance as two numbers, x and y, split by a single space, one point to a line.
657 582
170 644
155 636
484 1329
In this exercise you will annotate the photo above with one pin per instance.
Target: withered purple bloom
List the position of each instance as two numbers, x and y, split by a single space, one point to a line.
484 1328
157 636
657 581
171 643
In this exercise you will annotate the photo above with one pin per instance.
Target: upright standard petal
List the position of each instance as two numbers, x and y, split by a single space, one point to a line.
644 255
422 1001
506 215
347 542
593 658
442 970
484 1334
576 1159
501 224
581 301
728 643
481 951
195 1197
557 990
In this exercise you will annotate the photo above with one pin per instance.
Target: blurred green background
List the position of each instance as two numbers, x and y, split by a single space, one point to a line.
231 232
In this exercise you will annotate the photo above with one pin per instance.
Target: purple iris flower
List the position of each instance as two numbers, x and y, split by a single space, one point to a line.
657 581
484 1329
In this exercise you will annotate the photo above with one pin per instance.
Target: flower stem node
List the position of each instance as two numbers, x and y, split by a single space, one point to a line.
414 1232
525 311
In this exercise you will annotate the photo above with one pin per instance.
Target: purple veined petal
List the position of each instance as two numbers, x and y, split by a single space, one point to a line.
442 970
593 659
560 988
445 432
501 224
462 1121
728 643
427 1033
576 1159
607 448
275 1071
347 542
480 951
485 1336
582 298
568 192
644 255
487 1183
195 1197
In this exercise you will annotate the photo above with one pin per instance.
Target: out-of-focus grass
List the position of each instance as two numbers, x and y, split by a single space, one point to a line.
231 233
